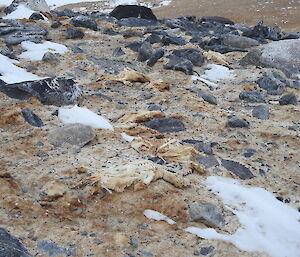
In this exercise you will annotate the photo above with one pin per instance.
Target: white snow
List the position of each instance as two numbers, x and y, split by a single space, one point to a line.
84 116
155 215
267 225
12 73
127 137
209 83
217 73
20 13
35 52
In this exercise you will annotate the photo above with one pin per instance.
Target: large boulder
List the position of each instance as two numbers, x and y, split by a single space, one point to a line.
127 11
283 55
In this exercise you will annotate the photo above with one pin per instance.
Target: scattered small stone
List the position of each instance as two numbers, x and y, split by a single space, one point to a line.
133 242
72 33
237 168
56 25
165 125
261 112
288 99
205 251
207 213
249 152
10 246
84 22
252 97
74 134
235 122
50 248
208 161
32 118
207 97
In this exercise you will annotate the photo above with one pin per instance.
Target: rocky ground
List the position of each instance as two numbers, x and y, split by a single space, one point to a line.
244 127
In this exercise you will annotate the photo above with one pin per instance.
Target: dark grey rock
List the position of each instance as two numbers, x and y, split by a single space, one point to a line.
10 246
288 99
134 46
268 56
56 25
145 254
252 97
165 125
127 11
193 55
167 40
207 213
134 242
205 251
155 57
217 19
205 147
179 64
50 248
72 33
36 16
262 32
237 168
132 33
84 22
32 118
249 152
208 161
153 38
145 51
239 41
51 91
110 31
74 134
261 112
208 97
118 52
50 58
235 122
65 12
137 22
273 83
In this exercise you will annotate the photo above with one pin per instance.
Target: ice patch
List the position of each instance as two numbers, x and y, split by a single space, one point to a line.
21 12
155 215
127 137
83 116
268 225
11 73
217 73
35 52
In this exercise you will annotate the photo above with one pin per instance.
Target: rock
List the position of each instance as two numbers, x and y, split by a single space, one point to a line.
145 51
288 99
165 125
155 57
179 64
207 97
262 32
110 31
72 33
208 161
132 33
216 19
193 55
205 251
205 147
238 169
153 38
74 134
35 5
51 91
36 16
252 97
235 122
32 118
50 248
10 246
137 22
50 58
56 25
206 213
273 83
167 40
267 56
84 22
261 112
249 152
134 46
239 41
65 12
118 52
127 11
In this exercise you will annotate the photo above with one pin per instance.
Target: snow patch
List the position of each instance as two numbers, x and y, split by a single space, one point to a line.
11 73
155 215
35 52
268 225
127 137
84 116
217 73
21 12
